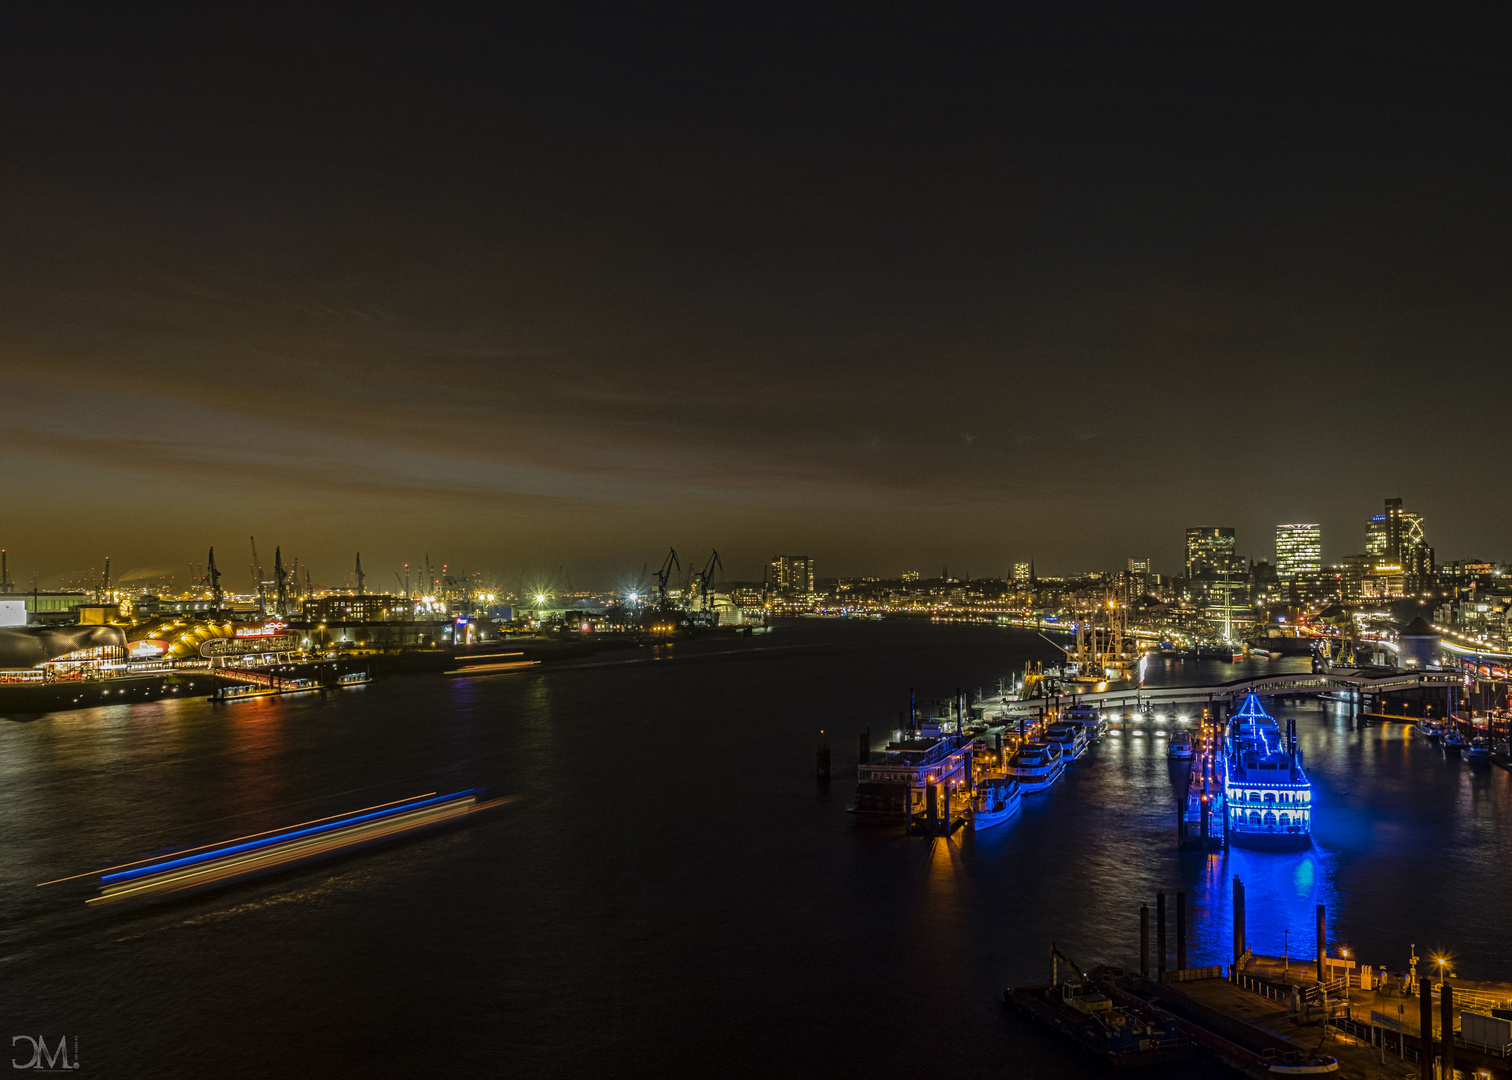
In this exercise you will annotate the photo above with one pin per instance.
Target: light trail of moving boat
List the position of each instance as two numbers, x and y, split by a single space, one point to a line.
262 852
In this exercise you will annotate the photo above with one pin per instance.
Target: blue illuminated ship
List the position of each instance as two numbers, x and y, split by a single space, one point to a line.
1266 791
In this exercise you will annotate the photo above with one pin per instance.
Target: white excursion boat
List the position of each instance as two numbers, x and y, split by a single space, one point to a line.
997 800
1087 715
1181 747
1070 737
1036 766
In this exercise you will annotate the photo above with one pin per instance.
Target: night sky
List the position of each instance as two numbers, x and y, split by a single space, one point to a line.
899 287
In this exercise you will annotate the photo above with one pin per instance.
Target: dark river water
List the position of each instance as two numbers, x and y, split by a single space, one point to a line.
672 893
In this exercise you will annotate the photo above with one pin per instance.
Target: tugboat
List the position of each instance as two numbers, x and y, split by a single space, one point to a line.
1266 790
1036 767
997 800
1081 1009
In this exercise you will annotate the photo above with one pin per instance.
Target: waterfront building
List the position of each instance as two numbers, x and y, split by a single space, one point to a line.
359 608
792 576
1217 577
1299 552
1139 566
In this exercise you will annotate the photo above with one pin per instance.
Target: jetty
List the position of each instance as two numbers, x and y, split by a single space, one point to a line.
1325 1014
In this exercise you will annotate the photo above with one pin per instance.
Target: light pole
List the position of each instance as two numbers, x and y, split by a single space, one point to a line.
1286 948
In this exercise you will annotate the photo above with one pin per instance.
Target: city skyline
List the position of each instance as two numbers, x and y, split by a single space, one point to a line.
1368 544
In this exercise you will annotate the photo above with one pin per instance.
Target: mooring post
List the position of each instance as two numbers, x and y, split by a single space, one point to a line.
1322 943
1425 1030
1160 938
932 808
1144 941
1446 1022
1181 930
823 769
1239 947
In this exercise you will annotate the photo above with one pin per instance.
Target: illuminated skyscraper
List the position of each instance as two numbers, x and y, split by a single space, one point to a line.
1299 552
1021 572
793 575
1217 577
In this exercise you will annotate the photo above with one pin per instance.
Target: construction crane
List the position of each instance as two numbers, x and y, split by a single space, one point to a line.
105 586
668 565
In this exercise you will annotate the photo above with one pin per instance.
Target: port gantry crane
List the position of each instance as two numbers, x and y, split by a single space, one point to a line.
706 581
282 580
212 579
668 565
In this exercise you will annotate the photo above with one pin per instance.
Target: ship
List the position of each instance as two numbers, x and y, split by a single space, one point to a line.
997 800
1266 790
895 787
1037 766
1081 1007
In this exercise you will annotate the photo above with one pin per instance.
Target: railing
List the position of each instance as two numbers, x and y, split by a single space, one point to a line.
1255 986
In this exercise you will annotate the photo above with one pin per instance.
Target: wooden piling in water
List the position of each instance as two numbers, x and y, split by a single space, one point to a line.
1446 1022
1239 945
823 764
1322 943
1160 938
1144 941
1181 930
1425 1029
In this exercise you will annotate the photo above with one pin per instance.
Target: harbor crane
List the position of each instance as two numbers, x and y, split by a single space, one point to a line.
257 581
282 580
212 579
706 581
668 565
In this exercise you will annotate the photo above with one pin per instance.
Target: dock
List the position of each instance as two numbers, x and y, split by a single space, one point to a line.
1276 1015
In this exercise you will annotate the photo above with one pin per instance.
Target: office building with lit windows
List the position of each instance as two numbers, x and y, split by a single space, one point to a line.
1299 552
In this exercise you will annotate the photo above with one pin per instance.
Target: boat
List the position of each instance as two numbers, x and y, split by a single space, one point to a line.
893 786
1089 716
1302 1064
1129 1033
1180 747
1453 743
1478 750
997 800
1070 736
1267 794
1036 766
1429 729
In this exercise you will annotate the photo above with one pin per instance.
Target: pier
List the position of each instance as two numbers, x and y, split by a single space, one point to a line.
1325 1013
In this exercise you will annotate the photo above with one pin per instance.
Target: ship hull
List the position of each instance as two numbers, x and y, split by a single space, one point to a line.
1271 841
